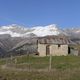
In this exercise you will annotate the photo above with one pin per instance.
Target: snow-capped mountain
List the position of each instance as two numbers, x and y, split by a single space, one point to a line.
20 31
38 31
73 32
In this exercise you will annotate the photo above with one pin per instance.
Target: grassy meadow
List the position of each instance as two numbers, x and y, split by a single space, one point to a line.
37 68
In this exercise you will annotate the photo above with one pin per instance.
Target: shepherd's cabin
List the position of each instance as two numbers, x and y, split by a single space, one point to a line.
56 46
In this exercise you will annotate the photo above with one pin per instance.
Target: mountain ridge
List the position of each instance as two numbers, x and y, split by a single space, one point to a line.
19 31
15 30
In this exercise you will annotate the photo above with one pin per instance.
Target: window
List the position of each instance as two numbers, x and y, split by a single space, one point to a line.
59 45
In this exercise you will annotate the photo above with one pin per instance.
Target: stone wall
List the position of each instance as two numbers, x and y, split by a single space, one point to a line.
74 52
42 49
59 50
55 50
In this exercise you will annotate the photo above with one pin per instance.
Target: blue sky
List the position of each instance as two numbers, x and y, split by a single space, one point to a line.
64 13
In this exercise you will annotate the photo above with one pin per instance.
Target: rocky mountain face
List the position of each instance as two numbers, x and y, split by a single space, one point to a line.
74 34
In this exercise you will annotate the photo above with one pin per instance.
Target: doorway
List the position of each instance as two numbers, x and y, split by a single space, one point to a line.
48 50
69 50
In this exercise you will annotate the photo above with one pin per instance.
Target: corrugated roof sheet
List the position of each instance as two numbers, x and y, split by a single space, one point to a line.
54 40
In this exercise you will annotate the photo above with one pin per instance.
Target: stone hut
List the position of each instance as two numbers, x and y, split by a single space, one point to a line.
74 49
54 45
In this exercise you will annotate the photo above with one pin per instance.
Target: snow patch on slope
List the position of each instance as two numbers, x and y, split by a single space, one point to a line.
18 31
11 33
46 30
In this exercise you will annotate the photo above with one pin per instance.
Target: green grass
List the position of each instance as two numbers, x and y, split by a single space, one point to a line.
63 68
58 62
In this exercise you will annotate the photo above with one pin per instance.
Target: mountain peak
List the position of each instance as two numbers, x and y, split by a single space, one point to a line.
52 25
